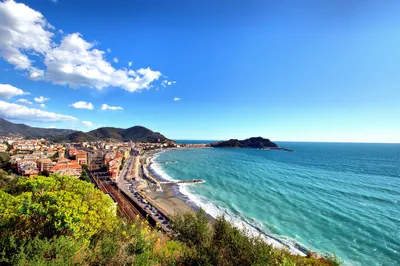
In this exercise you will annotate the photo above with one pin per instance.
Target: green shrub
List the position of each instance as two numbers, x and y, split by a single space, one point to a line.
192 228
222 243
333 259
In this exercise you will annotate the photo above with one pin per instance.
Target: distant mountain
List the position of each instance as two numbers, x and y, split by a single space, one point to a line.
140 133
136 133
7 128
107 133
255 143
78 136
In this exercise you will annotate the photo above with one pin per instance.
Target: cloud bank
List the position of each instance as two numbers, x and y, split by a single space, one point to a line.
26 37
7 91
20 112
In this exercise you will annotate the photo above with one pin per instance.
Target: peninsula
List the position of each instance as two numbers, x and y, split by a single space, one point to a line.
253 143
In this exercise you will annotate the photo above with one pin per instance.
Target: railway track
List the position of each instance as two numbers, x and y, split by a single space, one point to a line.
125 206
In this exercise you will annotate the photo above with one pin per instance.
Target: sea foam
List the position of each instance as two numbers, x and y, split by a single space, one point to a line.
252 226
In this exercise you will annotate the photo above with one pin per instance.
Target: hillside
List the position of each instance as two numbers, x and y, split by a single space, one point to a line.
79 136
140 133
107 133
7 128
135 133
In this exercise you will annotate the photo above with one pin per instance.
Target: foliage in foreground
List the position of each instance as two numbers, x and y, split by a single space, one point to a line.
59 220
224 244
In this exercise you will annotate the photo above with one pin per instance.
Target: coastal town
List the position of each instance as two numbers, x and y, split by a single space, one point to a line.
120 169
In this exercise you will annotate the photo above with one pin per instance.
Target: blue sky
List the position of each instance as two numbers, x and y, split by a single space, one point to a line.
285 70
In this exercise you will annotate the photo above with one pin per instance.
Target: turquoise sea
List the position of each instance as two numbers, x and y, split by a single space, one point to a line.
328 197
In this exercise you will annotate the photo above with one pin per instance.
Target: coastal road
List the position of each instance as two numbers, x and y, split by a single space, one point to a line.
124 174
148 208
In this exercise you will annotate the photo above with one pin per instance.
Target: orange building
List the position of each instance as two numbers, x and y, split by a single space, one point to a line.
78 155
45 165
67 167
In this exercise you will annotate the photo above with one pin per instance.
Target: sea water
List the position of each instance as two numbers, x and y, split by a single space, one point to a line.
327 197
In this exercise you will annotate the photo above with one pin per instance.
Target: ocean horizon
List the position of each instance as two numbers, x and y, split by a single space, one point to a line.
340 198
205 141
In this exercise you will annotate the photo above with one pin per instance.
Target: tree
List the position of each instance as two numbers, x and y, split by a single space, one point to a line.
59 220
5 163
55 156
122 164
85 177
53 206
192 228
222 243
45 173
5 178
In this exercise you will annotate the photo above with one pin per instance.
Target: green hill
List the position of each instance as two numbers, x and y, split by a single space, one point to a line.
136 133
140 133
107 133
7 128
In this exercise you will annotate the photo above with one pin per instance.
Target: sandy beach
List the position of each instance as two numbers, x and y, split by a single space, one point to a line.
169 199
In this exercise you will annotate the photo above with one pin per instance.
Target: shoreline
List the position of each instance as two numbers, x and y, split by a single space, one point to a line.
170 198
174 202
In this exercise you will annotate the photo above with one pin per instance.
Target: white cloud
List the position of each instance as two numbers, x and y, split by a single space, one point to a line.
115 60
82 105
108 107
51 127
177 99
19 112
166 83
22 30
108 50
76 63
41 99
129 64
7 91
42 105
87 123
24 101
73 62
